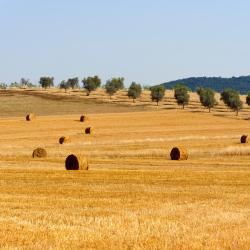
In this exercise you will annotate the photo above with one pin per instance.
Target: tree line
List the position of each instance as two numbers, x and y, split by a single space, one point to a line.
216 83
230 97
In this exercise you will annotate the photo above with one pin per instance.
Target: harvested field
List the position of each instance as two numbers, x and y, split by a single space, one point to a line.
133 196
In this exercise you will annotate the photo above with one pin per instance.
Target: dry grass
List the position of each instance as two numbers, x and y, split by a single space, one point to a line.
133 196
181 209
19 103
56 101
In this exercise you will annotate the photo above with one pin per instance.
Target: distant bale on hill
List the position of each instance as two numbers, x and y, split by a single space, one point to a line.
64 139
83 118
30 117
89 130
76 162
244 139
39 153
179 153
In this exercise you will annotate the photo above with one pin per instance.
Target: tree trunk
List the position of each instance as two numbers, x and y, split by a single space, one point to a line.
133 100
237 112
157 103
183 106
209 109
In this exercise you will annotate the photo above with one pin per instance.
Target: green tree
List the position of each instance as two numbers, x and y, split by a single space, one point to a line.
231 98
15 85
248 98
46 82
157 93
3 85
73 82
24 82
91 83
64 85
113 85
225 94
207 98
181 95
134 91
30 85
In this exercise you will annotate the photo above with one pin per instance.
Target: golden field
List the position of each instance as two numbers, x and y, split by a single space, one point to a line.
133 196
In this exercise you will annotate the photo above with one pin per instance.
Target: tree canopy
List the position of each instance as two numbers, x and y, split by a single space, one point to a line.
231 98
46 82
181 95
248 98
207 97
157 93
73 82
134 90
91 83
113 85
64 85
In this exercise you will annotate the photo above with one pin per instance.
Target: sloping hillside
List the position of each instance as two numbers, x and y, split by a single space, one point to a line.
56 101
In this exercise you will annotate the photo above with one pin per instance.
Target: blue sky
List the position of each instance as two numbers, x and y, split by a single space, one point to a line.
145 41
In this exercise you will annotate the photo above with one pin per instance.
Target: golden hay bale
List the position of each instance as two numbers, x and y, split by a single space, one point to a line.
178 153
89 130
39 153
64 139
244 139
76 162
83 118
30 117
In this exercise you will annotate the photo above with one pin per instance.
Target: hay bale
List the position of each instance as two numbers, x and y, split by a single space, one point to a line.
39 153
30 117
76 162
83 118
89 130
244 139
178 153
64 139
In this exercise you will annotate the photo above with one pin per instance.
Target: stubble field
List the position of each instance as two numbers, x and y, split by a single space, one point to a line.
133 196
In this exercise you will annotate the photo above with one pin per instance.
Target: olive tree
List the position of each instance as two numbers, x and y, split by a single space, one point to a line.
231 98
157 93
91 83
73 82
207 97
181 95
113 85
64 85
134 91
46 82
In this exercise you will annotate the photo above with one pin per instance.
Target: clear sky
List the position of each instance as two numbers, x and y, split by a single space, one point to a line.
145 41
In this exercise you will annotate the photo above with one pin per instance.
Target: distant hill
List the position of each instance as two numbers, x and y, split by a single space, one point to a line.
242 83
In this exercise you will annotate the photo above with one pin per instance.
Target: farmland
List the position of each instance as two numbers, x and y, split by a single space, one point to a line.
133 196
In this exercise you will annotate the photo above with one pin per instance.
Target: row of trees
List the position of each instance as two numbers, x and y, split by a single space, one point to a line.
230 97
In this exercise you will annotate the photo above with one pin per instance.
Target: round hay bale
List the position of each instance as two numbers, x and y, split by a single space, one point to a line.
64 139
244 139
30 117
83 118
39 153
76 162
178 153
89 130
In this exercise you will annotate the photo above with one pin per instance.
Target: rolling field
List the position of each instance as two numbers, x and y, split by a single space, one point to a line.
133 196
